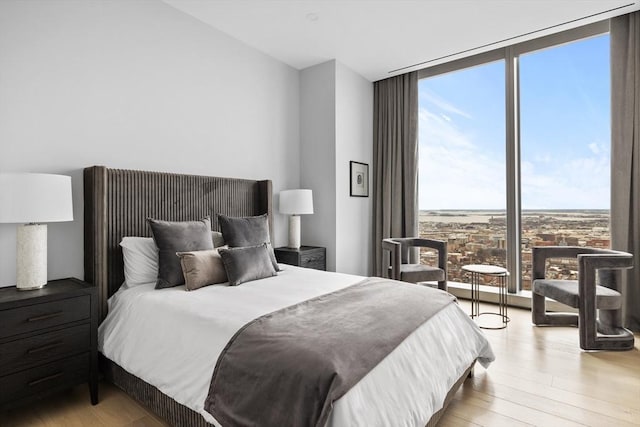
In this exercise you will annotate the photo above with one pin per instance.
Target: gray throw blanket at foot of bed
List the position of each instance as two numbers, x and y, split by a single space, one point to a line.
287 368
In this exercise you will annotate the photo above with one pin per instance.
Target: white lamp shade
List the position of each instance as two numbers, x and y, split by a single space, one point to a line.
296 202
35 198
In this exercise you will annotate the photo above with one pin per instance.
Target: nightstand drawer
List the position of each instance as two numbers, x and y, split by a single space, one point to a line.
39 349
316 265
311 257
39 316
56 375
304 256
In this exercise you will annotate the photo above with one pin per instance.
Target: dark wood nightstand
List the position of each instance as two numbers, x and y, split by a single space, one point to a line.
306 256
48 340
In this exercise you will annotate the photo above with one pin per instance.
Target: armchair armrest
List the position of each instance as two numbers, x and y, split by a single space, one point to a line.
540 254
590 260
439 245
602 263
399 248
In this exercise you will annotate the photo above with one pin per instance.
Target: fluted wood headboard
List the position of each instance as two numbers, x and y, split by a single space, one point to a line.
117 203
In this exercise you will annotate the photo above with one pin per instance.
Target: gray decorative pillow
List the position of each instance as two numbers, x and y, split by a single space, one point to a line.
247 231
247 263
177 236
202 268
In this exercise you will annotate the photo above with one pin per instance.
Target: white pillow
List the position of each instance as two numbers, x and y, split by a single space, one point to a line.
140 260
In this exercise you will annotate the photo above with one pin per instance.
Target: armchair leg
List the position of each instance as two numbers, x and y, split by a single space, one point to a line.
590 340
538 309
540 316
606 333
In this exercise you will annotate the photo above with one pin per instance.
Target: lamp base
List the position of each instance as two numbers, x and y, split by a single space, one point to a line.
294 232
31 257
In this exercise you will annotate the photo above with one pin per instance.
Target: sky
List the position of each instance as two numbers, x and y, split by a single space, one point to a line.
564 125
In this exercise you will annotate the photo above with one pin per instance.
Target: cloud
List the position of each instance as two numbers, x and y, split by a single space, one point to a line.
457 172
579 183
599 148
434 129
442 104
543 158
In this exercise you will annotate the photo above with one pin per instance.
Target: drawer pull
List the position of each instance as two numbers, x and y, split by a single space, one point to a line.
41 380
44 316
44 347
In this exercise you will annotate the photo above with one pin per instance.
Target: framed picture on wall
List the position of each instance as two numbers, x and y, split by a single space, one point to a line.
359 179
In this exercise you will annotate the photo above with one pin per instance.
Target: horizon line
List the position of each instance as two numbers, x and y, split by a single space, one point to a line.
523 210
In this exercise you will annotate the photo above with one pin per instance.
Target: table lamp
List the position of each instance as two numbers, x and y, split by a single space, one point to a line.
31 199
295 203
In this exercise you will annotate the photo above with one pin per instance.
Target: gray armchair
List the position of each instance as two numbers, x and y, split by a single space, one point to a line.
597 288
399 268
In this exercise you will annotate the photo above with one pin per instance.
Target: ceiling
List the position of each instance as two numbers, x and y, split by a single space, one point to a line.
381 38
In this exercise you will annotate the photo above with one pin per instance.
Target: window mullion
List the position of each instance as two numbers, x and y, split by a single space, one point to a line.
513 170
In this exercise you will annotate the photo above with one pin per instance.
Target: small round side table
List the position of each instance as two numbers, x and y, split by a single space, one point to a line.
476 271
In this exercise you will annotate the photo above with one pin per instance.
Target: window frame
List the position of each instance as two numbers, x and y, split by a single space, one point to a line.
511 56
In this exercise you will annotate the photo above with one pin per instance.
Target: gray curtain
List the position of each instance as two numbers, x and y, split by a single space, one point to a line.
395 161
625 154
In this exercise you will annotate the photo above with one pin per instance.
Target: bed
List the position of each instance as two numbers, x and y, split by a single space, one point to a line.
411 386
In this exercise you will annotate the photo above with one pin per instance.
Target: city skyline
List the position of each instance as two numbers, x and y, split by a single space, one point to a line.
565 127
480 237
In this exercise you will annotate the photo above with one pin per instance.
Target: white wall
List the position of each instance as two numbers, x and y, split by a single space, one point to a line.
136 84
336 127
318 154
354 141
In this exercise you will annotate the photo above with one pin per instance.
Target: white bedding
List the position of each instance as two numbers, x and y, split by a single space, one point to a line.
171 339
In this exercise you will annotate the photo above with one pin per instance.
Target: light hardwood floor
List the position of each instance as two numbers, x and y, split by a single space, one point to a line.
540 377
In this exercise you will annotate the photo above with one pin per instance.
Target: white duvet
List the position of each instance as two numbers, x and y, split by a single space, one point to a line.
171 339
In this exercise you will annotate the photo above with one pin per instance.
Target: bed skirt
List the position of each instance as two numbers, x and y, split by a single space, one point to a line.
172 412
178 415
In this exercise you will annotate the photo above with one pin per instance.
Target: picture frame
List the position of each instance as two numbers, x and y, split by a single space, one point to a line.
359 179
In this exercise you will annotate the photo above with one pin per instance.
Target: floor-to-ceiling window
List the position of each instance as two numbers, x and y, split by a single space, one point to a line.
564 145
462 161
514 152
